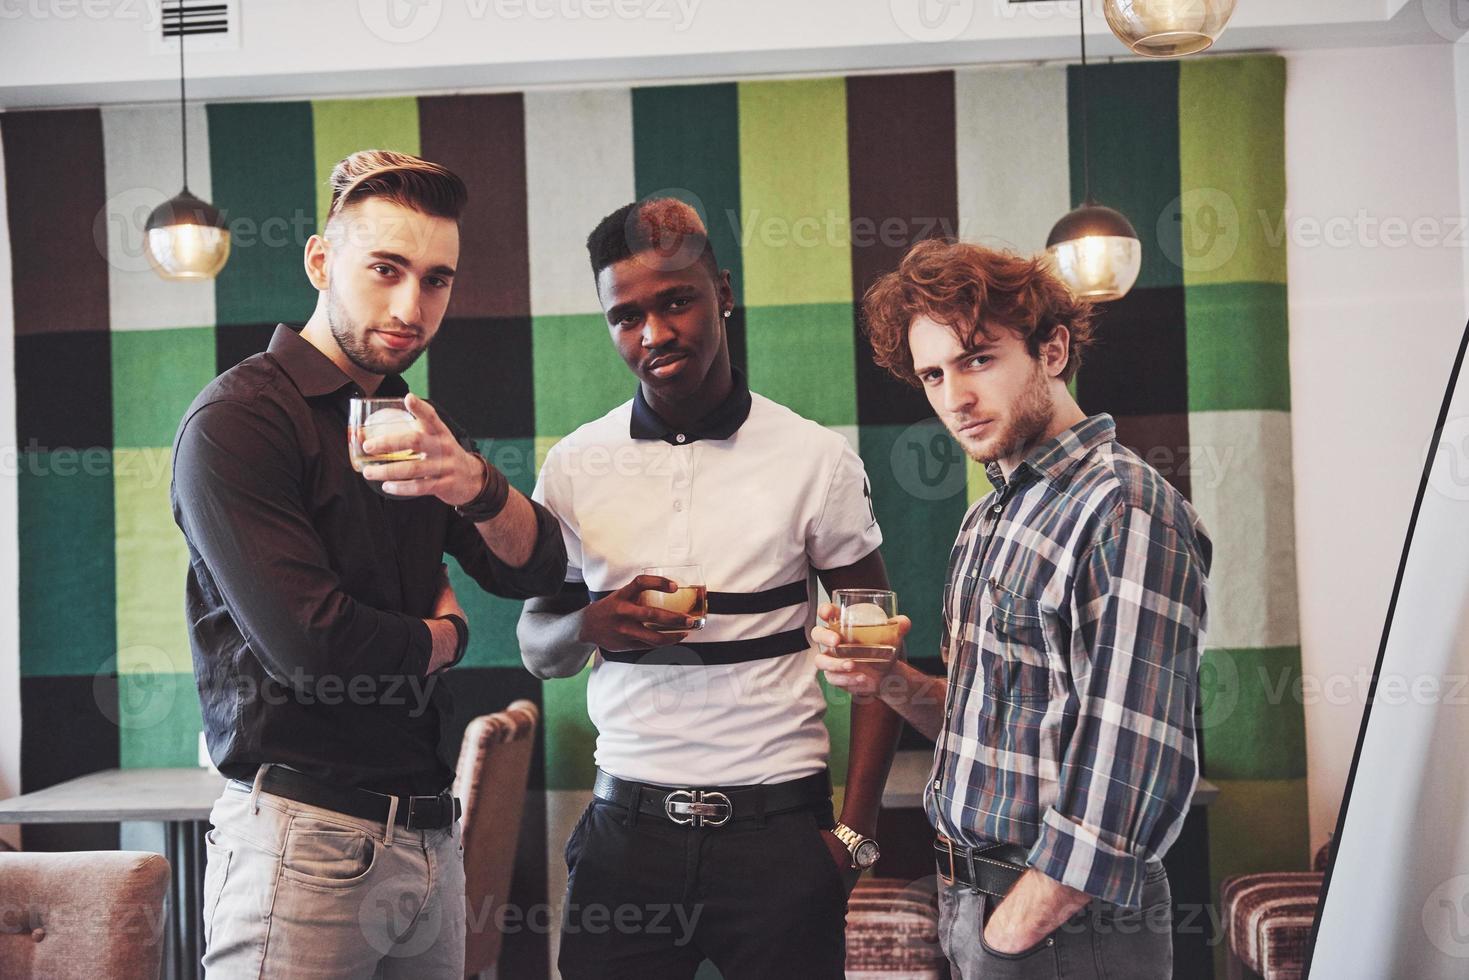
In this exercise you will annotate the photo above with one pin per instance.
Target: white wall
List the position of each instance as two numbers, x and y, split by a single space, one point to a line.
1398 905
1461 105
1374 326
9 557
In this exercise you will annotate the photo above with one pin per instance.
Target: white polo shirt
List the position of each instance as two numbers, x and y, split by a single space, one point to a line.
761 498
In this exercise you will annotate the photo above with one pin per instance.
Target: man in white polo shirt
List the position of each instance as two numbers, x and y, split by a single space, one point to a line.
713 796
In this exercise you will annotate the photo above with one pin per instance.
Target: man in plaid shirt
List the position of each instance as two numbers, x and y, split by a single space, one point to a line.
1074 613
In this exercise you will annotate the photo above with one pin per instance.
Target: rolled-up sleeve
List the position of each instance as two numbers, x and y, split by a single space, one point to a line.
1129 770
542 574
238 498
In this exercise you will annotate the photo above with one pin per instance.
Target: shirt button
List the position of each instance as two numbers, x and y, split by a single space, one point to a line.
681 437
998 508
678 505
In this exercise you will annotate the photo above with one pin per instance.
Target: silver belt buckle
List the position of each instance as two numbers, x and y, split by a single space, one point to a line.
413 816
698 808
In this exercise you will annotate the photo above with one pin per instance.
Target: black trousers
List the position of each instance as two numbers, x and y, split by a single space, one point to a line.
650 899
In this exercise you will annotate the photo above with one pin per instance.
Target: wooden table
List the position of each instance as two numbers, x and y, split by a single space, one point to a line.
180 799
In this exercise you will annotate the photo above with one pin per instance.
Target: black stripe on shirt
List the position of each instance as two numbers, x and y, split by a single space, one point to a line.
714 654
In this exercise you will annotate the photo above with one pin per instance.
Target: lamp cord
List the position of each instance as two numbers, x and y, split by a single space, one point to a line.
183 127
1086 165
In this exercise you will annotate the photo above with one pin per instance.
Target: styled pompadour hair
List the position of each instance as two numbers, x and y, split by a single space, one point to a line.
398 177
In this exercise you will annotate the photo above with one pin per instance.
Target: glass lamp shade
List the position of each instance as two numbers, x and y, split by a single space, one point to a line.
186 238
1097 252
1167 28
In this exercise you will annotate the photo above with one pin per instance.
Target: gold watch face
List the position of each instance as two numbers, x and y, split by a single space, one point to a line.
866 855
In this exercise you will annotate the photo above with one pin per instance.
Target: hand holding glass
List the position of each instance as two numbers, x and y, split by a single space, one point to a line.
691 598
370 418
867 621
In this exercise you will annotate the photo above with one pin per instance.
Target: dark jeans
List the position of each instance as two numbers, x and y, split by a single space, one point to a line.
654 899
1101 942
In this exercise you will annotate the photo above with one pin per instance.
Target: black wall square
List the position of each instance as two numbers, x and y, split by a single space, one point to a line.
881 398
63 389
71 732
480 371
233 342
1139 364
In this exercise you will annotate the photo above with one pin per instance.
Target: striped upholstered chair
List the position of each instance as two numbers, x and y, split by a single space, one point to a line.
494 763
1267 920
893 931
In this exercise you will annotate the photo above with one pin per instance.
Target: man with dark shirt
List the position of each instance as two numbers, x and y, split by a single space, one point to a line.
321 613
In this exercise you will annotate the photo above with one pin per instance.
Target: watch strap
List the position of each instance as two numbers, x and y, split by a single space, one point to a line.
491 498
461 631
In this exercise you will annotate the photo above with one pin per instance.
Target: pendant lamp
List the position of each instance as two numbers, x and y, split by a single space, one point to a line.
1167 28
1095 249
185 237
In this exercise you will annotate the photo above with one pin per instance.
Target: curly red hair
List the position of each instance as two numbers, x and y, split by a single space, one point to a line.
972 289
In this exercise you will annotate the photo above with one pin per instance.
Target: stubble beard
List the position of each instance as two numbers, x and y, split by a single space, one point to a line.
353 341
1025 426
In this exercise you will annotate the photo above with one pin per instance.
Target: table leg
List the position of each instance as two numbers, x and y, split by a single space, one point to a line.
197 831
184 848
172 945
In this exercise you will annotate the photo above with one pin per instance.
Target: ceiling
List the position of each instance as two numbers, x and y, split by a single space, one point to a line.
88 52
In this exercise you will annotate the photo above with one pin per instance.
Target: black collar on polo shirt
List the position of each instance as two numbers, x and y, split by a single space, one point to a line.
313 373
721 423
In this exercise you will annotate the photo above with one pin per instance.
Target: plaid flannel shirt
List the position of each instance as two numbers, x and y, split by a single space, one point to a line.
1074 614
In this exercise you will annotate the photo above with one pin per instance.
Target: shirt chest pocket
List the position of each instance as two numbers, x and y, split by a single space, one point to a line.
1016 665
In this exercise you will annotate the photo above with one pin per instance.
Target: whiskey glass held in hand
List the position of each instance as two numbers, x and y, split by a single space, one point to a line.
691 599
368 418
867 623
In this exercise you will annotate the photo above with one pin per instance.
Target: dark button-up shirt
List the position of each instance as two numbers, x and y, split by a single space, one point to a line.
1074 616
307 589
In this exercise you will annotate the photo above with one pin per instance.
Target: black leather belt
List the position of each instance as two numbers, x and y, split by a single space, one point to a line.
992 870
716 806
414 812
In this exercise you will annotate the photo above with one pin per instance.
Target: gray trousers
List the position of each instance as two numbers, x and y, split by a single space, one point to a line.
1101 942
292 890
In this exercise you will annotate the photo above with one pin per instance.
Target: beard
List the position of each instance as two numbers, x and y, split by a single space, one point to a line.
1022 428
352 339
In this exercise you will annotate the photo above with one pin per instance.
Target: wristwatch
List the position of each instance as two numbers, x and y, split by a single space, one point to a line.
864 850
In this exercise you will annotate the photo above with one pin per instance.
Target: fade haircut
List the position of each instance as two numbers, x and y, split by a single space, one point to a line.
404 180
663 231
971 289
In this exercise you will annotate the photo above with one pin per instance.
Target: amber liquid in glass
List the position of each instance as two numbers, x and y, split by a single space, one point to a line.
691 600
867 644
358 434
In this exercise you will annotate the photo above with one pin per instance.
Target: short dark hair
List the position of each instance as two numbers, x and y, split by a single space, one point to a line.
970 288
665 226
